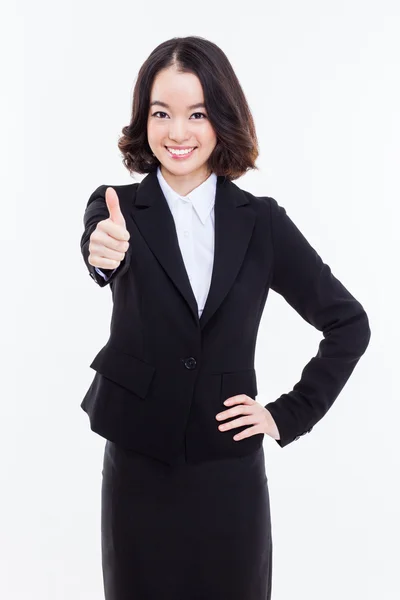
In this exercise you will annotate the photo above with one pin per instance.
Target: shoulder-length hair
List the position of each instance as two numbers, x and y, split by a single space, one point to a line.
237 147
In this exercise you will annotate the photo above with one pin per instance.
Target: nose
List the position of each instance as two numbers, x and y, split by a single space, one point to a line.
179 131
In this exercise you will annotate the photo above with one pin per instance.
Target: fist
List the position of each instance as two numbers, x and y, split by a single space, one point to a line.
109 241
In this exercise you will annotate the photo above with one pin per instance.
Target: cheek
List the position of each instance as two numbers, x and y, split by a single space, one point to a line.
152 132
208 137
155 130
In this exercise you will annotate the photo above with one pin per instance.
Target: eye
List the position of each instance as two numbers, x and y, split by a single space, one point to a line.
200 113
160 112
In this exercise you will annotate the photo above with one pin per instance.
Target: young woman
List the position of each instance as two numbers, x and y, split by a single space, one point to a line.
190 258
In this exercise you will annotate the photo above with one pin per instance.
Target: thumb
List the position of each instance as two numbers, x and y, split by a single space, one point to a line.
112 202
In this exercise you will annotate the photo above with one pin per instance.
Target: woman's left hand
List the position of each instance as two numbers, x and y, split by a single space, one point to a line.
255 414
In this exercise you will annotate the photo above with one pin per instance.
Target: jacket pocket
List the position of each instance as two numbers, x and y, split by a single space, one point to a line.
239 382
128 371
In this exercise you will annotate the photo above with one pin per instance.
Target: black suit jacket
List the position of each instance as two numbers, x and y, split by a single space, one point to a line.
164 373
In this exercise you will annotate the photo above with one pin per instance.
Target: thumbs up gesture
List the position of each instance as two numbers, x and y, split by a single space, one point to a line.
109 241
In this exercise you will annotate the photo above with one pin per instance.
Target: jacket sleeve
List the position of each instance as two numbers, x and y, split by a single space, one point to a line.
308 285
96 210
105 272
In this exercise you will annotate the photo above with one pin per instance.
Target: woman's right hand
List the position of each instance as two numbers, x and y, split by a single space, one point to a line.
109 241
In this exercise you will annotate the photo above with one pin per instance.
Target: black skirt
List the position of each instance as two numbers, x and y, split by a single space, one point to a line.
188 532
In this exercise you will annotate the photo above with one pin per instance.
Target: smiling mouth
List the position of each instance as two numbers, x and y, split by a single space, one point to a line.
179 154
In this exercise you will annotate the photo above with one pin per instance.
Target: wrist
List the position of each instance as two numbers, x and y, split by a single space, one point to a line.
272 429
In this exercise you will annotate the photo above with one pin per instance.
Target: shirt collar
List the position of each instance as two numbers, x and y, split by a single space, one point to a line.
202 197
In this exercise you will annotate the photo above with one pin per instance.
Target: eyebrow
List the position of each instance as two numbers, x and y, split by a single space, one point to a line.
165 105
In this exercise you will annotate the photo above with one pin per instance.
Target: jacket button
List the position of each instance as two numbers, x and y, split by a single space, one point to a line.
190 363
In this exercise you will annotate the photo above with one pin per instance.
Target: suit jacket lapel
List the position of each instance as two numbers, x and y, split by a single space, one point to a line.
233 229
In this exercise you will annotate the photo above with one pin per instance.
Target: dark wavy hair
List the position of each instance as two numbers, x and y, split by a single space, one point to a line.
237 147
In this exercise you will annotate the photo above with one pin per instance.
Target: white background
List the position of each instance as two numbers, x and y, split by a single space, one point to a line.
322 81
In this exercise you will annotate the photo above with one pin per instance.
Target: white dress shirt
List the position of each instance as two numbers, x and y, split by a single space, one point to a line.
194 222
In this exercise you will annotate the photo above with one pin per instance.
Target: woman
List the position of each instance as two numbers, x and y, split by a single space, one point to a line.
190 258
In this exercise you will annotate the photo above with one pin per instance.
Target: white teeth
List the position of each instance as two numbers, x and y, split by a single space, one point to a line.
181 151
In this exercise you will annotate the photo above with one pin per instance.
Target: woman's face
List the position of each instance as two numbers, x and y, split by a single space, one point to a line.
176 118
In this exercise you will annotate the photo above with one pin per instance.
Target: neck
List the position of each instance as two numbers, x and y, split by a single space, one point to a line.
184 184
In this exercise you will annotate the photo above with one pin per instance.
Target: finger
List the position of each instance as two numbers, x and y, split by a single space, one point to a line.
118 232
240 398
242 409
114 209
101 251
248 432
248 420
101 237
103 263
